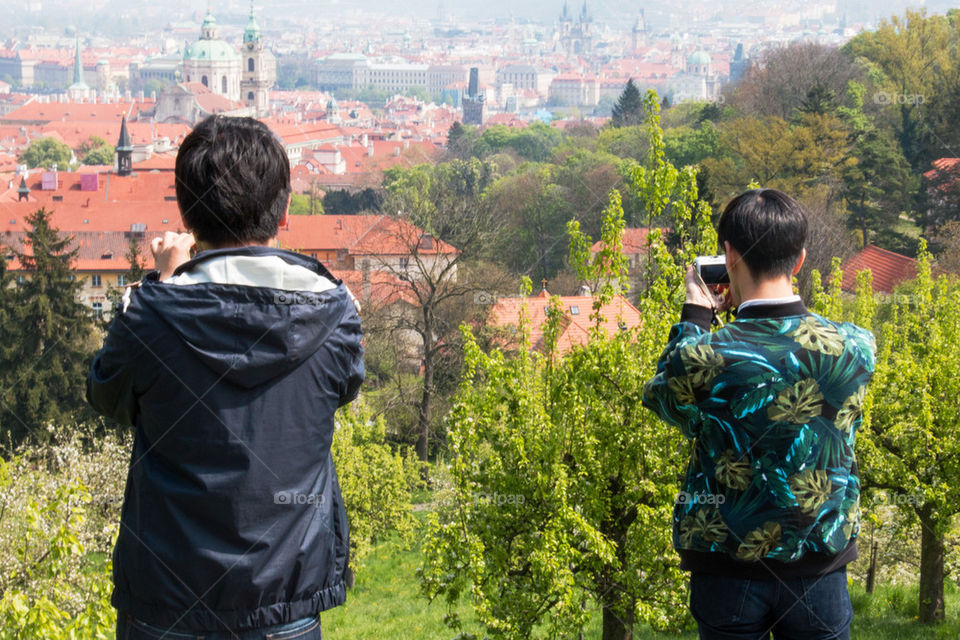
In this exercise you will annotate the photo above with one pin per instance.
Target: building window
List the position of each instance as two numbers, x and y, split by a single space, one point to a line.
97 310
250 64
203 79
21 279
250 96
223 83
404 263
95 280
122 280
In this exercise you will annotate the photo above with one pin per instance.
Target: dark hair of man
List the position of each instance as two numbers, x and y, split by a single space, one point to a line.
768 229
232 181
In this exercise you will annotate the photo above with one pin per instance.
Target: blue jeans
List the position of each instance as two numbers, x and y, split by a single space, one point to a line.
815 608
129 628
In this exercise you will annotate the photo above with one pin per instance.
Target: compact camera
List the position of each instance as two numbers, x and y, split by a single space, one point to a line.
712 270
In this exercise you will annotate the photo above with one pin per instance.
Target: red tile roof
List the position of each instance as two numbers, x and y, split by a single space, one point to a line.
360 235
96 250
888 269
634 241
576 309
75 112
945 173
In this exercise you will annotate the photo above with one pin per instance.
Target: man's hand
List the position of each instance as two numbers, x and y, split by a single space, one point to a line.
170 251
698 294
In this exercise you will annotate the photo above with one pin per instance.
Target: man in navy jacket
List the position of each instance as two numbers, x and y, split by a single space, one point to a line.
230 365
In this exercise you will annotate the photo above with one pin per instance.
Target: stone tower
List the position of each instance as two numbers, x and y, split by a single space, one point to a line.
259 68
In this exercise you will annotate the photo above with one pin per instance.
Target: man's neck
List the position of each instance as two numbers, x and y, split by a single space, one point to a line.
766 289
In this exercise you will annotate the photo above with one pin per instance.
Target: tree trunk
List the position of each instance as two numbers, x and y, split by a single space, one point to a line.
423 418
931 568
872 571
617 605
617 627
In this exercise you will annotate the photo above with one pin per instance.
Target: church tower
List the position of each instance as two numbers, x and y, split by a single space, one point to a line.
79 89
124 150
259 68
212 62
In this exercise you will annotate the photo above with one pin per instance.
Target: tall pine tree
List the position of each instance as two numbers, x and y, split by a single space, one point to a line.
47 363
628 111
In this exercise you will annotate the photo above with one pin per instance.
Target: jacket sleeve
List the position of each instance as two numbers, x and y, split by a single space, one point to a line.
110 382
347 352
664 394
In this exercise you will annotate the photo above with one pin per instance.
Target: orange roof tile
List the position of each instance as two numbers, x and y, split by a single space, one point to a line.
888 269
634 241
576 309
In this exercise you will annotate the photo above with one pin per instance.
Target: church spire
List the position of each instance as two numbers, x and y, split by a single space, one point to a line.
124 150
252 33
77 65
79 89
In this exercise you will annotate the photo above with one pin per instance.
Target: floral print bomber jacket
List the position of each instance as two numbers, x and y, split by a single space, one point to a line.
772 402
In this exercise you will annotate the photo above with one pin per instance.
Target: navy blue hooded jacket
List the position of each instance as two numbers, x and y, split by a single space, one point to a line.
232 514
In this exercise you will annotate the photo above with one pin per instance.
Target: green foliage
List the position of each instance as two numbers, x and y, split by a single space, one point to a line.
376 482
563 484
102 155
46 367
60 508
913 418
46 152
689 146
534 142
304 204
629 110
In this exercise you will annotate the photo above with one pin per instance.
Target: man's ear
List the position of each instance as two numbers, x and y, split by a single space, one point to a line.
732 255
286 211
803 256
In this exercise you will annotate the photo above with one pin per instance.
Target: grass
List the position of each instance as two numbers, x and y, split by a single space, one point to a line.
385 604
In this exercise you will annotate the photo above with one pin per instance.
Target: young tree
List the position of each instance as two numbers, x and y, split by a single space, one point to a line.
563 484
49 362
629 108
911 429
442 223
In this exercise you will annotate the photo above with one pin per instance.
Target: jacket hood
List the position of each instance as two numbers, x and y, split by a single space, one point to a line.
285 309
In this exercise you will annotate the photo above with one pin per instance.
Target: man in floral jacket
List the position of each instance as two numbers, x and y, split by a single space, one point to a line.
768 516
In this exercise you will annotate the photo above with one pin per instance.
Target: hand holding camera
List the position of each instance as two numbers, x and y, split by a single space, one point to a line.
170 251
708 283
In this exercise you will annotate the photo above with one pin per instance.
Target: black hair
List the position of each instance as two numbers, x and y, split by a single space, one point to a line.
232 181
768 229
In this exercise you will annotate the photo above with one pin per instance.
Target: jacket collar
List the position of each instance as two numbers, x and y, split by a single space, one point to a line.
781 310
259 250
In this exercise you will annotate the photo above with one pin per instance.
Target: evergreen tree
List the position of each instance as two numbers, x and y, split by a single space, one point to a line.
629 108
137 267
820 100
48 363
136 261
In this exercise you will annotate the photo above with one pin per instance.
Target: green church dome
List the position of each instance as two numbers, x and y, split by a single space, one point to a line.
698 58
210 50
